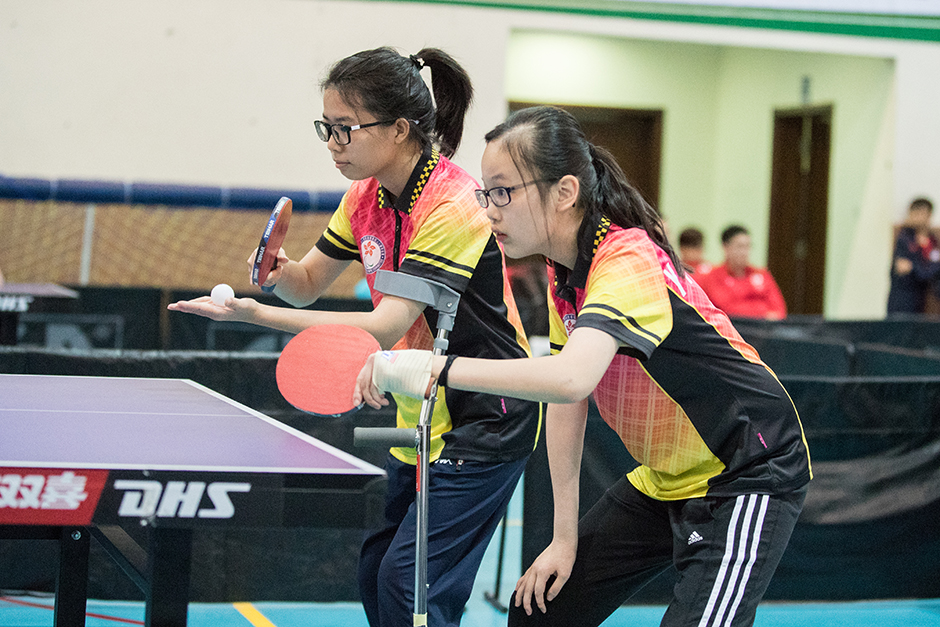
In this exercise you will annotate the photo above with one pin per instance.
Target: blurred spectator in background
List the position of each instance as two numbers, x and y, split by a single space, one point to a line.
529 280
736 287
692 251
915 266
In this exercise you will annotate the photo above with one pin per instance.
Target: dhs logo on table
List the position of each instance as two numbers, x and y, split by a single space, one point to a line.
173 498
15 303
178 499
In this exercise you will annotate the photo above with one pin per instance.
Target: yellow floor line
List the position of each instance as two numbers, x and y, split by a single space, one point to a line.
254 617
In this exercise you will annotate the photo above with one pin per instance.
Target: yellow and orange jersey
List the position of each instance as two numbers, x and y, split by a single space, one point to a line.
689 398
436 229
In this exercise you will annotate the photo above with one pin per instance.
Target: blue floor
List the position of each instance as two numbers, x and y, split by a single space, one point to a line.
34 611
906 613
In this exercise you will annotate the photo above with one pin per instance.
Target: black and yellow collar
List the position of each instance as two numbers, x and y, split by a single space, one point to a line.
587 248
415 185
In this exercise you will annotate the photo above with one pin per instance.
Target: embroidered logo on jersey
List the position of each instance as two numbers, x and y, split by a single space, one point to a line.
372 251
569 320
757 280
19 304
695 537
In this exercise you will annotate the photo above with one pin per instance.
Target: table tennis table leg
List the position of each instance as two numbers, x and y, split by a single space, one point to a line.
9 321
71 585
168 575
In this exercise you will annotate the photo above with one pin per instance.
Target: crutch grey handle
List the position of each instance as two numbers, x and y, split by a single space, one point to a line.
385 436
437 295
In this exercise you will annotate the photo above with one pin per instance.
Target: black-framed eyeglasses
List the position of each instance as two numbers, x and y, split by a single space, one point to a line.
500 196
340 132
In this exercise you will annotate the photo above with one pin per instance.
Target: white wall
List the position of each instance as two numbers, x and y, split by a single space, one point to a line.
681 80
222 92
219 92
719 104
758 82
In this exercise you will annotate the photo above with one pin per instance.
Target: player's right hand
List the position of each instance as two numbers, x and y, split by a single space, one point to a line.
365 390
275 274
550 569
405 372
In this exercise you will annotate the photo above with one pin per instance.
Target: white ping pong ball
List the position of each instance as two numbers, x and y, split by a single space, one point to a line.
221 293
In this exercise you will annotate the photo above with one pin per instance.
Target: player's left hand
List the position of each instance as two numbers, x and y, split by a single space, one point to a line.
235 309
550 570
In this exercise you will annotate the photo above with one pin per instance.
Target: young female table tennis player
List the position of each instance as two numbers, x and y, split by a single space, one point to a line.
724 463
412 210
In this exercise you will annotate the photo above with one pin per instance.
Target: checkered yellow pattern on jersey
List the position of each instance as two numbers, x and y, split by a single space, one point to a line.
450 233
449 229
443 234
627 294
426 170
445 230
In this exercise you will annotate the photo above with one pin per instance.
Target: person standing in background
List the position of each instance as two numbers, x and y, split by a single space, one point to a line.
739 289
915 265
692 251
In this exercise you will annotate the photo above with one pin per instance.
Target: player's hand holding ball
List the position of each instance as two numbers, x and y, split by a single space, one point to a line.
220 305
221 293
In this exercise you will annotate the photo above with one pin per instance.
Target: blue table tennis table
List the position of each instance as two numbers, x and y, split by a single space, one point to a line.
139 463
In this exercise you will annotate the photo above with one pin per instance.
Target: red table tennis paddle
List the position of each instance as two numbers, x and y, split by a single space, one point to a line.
317 370
271 240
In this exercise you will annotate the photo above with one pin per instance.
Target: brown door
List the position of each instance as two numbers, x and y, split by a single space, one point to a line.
799 192
633 136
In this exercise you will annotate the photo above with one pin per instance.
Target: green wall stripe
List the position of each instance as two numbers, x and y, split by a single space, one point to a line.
906 27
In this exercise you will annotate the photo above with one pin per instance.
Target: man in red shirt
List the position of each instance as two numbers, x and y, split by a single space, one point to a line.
739 289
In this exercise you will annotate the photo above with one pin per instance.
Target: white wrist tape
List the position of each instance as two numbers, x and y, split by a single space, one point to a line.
405 372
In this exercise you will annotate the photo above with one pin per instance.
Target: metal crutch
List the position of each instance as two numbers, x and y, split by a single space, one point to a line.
444 300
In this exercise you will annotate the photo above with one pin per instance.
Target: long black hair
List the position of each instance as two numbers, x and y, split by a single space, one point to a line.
389 86
548 143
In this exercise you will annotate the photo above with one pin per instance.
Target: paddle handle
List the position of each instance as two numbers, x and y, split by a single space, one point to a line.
385 436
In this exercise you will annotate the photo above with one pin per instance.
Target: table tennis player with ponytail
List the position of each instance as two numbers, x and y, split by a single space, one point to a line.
411 210
724 465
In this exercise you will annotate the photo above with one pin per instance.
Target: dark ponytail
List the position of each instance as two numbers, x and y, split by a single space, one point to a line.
548 143
389 86
453 94
615 198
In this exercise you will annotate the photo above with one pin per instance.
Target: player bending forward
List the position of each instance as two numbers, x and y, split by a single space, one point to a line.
724 463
